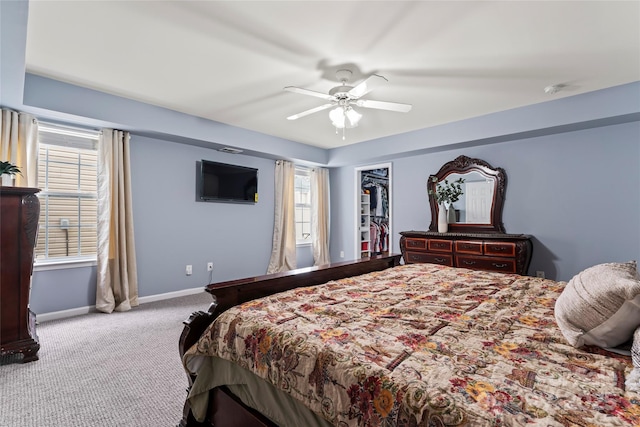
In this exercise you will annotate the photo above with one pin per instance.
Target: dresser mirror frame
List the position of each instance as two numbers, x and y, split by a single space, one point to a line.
463 165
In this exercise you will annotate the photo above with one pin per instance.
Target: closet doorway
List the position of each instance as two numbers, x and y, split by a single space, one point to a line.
373 210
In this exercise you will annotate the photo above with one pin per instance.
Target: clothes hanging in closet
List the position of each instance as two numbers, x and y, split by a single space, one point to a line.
378 198
379 236
376 184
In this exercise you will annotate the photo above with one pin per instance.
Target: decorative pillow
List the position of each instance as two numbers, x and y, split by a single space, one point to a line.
600 305
633 380
635 348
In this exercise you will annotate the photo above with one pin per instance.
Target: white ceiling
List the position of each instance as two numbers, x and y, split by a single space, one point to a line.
229 61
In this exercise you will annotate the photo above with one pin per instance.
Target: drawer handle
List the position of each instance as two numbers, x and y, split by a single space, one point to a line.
467 247
499 248
499 265
468 262
440 259
414 258
413 243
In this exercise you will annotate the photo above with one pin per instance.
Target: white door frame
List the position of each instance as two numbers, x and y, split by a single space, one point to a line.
356 204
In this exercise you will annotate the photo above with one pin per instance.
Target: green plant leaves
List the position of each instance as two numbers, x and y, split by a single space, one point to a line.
9 169
448 192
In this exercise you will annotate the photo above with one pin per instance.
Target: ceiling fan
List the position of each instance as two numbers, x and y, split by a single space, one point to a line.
344 97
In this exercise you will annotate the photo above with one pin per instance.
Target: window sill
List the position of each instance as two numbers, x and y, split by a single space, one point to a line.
64 264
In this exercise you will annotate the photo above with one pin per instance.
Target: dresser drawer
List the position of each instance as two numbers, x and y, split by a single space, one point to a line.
500 248
411 243
440 245
504 265
507 253
468 247
421 257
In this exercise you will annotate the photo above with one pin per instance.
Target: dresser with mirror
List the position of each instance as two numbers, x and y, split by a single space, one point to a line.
475 236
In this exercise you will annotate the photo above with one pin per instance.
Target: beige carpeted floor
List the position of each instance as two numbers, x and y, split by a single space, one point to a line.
119 369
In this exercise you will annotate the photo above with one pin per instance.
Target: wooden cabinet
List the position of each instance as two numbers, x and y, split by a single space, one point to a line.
19 212
508 253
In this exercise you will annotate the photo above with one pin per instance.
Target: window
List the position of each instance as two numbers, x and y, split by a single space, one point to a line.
303 205
67 178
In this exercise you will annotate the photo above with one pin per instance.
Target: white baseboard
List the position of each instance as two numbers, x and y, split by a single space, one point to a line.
63 314
55 315
169 295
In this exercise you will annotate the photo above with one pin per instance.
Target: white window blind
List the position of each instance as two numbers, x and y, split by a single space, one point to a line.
303 205
67 177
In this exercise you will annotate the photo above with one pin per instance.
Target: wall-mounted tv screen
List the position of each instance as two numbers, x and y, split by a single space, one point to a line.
221 182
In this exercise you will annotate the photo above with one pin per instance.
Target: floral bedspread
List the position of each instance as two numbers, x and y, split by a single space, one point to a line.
426 345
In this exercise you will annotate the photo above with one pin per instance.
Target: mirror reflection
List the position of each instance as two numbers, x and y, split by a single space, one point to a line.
474 204
478 209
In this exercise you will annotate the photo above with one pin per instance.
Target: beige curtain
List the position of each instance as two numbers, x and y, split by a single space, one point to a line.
19 145
320 215
117 288
283 253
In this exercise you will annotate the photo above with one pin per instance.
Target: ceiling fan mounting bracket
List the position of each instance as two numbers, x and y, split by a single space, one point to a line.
343 75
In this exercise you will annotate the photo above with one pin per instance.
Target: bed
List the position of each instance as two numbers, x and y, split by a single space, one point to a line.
399 345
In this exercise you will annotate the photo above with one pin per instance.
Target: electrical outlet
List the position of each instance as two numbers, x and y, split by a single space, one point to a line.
341 254
209 266
540 274
189 270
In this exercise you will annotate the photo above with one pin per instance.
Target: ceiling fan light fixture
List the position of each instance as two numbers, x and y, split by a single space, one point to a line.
344 116
337 117
353 116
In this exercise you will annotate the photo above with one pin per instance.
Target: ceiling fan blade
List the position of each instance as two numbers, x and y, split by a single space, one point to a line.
381 105
309 92
311 111
367 86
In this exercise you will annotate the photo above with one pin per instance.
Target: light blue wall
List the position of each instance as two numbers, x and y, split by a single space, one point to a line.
562 189
62 289
172 229
577 193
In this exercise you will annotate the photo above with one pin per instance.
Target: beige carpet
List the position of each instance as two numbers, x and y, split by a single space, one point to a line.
120 369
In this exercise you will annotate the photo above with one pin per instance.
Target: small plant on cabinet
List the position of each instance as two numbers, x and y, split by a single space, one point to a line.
8 171
447 192
7 168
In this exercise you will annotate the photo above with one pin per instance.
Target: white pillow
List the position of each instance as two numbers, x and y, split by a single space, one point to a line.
633 380
600 305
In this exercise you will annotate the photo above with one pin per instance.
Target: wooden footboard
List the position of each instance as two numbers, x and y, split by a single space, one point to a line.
227 294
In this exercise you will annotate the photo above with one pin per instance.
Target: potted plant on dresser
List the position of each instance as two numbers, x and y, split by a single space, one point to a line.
8 171
446 193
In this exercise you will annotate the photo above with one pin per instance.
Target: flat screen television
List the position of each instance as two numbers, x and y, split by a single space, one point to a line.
222 182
